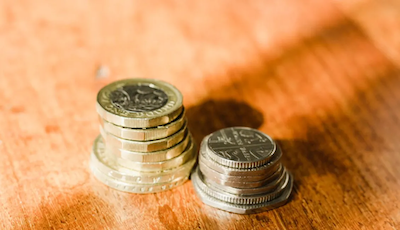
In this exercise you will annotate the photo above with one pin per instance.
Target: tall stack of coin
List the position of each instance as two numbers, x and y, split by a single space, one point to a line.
144 146
240 171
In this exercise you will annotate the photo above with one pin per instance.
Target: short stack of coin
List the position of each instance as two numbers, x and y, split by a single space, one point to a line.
239 171
144 146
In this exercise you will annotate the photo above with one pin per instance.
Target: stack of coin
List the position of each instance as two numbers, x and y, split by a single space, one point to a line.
239 171
144 146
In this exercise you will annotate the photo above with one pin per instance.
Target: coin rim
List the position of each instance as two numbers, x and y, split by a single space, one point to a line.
240 184
155 156
245 209
111 169
145 146
245 178
160 165
239 199
137 188
145 134
204 158
246 191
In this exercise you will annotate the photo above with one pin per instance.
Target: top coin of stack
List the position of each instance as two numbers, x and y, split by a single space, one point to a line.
145 146
240 171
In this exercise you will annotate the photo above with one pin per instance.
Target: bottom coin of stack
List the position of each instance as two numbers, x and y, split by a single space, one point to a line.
239 171
145 145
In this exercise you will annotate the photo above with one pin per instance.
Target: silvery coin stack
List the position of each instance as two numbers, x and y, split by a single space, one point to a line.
239 171
144 146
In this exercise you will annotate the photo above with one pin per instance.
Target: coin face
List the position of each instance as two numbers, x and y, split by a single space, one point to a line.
139 103
240 147
241 144
138 98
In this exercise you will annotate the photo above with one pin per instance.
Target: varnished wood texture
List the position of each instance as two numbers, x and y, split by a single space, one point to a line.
321 77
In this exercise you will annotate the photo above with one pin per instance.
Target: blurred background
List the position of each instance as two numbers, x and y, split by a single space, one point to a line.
321 77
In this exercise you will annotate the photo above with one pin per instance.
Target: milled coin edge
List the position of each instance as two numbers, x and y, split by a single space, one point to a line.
245 209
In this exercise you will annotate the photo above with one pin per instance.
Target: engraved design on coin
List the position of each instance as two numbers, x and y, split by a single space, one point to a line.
138 98
241 144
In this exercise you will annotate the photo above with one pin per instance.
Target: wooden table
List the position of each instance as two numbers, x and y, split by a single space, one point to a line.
321 77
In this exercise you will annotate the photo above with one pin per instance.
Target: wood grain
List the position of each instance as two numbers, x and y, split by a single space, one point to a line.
321 77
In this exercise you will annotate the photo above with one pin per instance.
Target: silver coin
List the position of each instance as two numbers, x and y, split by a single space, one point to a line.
240 147
144 146
238 183
239 199
136 188
246 209
182 158
103 163
139 103
209 172
144 134
272 185
205 159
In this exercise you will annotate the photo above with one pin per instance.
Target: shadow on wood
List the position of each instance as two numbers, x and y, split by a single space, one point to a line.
215 114
328 98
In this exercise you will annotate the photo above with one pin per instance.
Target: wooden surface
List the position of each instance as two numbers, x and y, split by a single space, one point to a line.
321 77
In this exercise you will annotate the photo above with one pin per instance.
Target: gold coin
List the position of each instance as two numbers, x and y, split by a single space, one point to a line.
144 146
139 103
144 134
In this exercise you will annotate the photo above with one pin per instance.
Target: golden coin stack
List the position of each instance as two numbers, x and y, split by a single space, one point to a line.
145 145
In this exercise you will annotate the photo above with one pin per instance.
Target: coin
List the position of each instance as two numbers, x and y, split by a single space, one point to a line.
144 146
101 161
251 178
278 177
242 199
182 158
240 171
245 209
240 147
205 159
239 184
137 188
156 156
144 134
139 103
